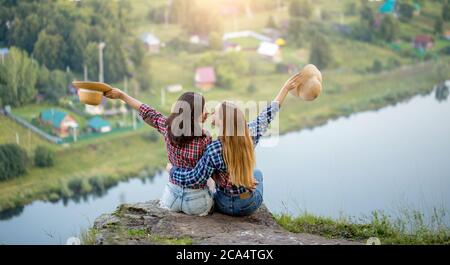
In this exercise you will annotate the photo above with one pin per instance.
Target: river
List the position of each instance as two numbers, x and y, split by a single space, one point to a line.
390 159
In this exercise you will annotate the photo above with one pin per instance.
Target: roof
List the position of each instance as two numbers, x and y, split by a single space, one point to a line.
98 123
205 75
387 7
268 49
245 34
150 39
53 116
4 51
423 39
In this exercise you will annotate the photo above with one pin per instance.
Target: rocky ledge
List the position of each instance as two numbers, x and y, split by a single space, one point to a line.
147 223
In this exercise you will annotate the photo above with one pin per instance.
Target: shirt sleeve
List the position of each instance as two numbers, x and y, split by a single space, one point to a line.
153 117
210 161
259 126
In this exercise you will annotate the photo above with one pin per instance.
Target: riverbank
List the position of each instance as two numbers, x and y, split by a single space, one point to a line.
113 158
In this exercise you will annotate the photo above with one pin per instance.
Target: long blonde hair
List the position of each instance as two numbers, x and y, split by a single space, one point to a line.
237 143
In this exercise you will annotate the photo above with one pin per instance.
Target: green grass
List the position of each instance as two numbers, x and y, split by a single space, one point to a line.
88 237
143 234
409 229
28 140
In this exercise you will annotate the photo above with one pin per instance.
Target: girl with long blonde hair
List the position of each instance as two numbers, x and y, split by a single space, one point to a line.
230 160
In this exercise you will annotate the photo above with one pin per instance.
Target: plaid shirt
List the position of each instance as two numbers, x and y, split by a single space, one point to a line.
185 156
212 160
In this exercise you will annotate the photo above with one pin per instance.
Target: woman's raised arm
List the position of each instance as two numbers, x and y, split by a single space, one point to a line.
116 93
151 116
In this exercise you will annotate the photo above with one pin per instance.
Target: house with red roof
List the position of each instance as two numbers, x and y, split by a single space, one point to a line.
205 78
423 42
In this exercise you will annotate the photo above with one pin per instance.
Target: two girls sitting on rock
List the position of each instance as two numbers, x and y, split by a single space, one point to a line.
194 157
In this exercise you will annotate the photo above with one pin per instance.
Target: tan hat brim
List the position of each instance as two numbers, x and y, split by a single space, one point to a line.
96 86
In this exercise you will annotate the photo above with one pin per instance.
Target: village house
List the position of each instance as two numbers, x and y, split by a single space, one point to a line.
246 34
423 42
270 51
62 124
388 7
205 78
199 40
174 88
229 46
94 110
152 43
99 125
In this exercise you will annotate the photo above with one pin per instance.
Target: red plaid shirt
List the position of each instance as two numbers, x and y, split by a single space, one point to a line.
184 156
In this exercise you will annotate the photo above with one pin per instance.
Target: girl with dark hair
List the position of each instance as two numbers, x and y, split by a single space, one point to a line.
185 142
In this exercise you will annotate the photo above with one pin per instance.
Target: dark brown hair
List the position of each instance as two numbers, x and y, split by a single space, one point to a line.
186 132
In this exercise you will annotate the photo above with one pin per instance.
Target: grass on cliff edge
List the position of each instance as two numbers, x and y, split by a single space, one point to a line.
412 228
88 237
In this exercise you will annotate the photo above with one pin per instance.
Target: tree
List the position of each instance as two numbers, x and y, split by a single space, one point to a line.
295 31
215 41
377 66
18 77
350 9
321 54
90 59
367 14
78 39
53 85
300 8
24 32
271 23
251 88
406 10
116 63
137 53
180 11
13 160
438 26
203 21
50 50
389 28
43 157
226 78
446 11
143 76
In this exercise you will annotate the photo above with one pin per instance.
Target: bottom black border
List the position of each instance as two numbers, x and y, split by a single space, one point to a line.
224 254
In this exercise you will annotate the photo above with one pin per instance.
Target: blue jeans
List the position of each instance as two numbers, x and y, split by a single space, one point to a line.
189 201
241 205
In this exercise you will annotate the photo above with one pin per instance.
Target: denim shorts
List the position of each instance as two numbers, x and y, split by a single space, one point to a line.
189 201
237 205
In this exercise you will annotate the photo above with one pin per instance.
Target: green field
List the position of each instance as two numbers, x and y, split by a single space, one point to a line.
348 88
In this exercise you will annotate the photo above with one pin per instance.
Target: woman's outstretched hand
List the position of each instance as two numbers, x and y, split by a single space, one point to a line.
290 84
114 93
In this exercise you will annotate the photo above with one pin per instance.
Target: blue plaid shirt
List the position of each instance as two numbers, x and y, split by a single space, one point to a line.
212 158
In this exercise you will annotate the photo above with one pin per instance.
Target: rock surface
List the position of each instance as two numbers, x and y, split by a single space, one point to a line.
147 223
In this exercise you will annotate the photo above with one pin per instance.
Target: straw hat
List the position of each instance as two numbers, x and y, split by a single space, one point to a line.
310 85
91 93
